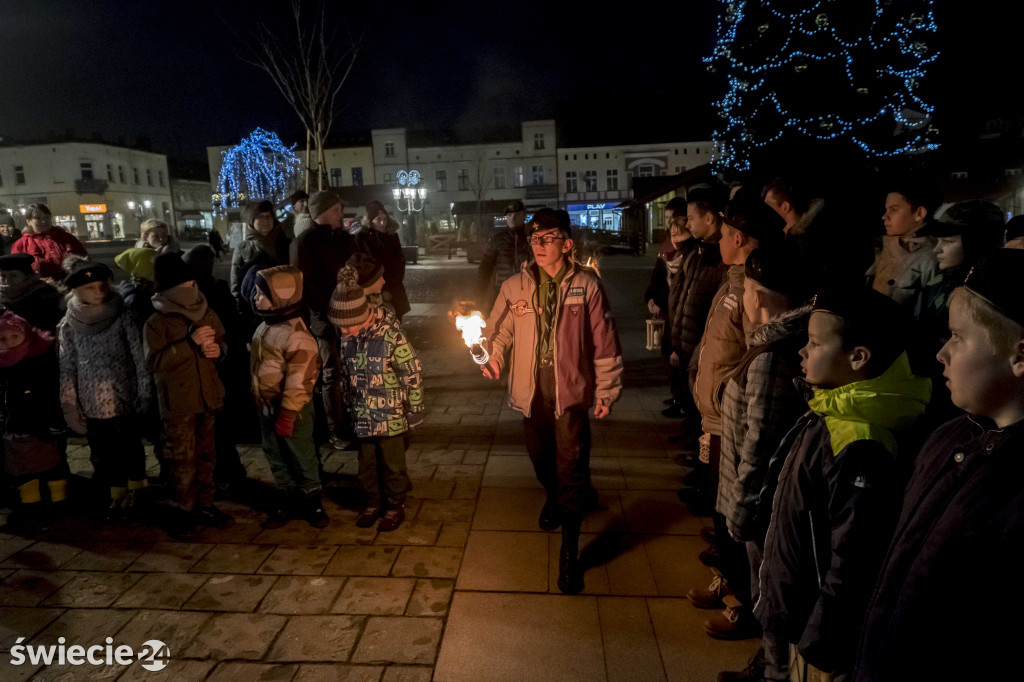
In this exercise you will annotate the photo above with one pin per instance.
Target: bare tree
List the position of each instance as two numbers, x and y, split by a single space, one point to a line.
481 182
309 63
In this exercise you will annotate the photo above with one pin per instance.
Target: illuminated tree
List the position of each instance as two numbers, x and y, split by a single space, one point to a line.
830 71
260 167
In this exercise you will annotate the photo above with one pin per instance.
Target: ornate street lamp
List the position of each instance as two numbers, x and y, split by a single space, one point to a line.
141 210
409 192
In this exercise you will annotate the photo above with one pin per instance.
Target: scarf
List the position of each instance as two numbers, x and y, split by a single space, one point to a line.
279 315
188 302
12 293
88 319
673 264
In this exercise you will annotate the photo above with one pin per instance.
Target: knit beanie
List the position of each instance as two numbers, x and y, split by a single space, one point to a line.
368 267
256 207
83 271
22 262
137 262
6 219
200 258
348 306
320 202
170 271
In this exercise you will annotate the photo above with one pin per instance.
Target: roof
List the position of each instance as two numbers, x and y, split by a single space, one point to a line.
649 189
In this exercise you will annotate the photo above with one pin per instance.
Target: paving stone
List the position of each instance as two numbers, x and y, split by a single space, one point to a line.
92 589
174 628
475 457
510 472
230 593
514 637
298 559
107 556
686 651
459 472
233 559
295 532
672 564
295 595
399 640
428 490
375 560
317 638
28 588
606 473
428 562
12 545
161 591
74 673
241 531
441 457
236 635
509 509
656 512
607 517
430 598
85 627
346 534
595 579
336 672
651 473
249 672
504 561
630 647
416 532
629 570
466 490
171 557
177 670
374 596
453 535
447 510
23 622
42 556
404 673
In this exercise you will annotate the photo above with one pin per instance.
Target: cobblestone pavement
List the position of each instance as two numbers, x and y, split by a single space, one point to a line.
464 590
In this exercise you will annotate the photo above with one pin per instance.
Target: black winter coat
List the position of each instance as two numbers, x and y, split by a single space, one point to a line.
30 397
702 275
387 249
42 309
504 255
948 603
320 252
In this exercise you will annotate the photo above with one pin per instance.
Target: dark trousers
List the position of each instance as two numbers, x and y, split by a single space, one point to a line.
559 448
382 472
292 460
736 568
115 448
190 449
329 347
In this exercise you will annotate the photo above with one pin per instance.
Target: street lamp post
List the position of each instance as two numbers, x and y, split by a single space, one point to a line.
411 194
140 210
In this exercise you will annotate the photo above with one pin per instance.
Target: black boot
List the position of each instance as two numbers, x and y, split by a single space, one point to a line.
313 511
570 573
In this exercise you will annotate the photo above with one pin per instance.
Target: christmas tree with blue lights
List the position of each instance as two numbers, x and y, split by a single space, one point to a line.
830 73
259 167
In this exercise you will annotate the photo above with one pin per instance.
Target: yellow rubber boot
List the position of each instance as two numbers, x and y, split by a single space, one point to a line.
58 490
29 492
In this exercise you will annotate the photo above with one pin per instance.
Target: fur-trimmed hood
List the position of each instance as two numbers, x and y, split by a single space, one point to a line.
789 323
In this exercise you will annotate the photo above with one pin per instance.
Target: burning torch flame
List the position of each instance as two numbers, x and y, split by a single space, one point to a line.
471 327
592 263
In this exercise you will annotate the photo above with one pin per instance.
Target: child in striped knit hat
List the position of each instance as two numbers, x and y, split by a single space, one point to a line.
384 398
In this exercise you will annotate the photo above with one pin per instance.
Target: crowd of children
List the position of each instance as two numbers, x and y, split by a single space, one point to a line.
155 357
843 543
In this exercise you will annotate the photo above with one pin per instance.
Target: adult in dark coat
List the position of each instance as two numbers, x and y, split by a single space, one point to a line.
319 253
25 294
9 233
379 238
504 254
264 242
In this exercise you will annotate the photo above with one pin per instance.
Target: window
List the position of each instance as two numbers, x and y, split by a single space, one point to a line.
110 172
441 178
612 178
357 177
684 151
160 177
19 175
86 167
135 173
389 178
120 173
499 178
335 177
959 175
517 176
538 175
167 208
538 140
645 171
463 177
570 182
149 177
389 150
590 178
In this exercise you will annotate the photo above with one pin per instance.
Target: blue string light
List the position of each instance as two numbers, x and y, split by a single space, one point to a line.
754 114
260 167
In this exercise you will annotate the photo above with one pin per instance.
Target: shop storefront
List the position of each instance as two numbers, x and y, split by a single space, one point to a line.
596 216
99 224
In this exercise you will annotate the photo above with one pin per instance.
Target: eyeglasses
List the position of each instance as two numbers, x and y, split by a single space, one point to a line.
545 241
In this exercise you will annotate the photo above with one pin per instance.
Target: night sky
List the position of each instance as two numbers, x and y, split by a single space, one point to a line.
169 70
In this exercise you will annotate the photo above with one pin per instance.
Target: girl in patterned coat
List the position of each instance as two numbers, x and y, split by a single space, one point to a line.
384 398
104 385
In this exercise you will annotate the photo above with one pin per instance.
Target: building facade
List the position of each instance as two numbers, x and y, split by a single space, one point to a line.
193 205
96 191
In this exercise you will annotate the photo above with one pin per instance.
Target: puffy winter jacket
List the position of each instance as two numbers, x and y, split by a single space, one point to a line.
902 267
386 248
186 381
270 249
588 357
833 512
505 253
721 348
690 299
384 390
320 252
49 248
759 405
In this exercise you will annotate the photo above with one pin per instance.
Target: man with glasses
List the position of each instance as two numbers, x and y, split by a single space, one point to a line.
505 253
552 326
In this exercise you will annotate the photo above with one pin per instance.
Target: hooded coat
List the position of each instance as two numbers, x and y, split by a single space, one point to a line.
760 404
387 249
270 249
283 362
835 504
49 248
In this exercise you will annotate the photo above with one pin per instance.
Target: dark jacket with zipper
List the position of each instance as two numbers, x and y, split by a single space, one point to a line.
833 512
702 275
505 253
947 605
